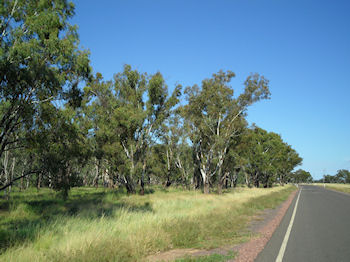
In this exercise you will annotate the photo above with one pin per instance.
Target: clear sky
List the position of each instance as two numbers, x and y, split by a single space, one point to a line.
301 46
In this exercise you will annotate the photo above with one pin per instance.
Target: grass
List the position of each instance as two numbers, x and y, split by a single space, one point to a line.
107 225
210 258
345 188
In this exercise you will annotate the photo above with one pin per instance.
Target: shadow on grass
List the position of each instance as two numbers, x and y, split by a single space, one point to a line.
24 216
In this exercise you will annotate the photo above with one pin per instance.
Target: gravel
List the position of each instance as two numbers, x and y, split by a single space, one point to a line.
268 223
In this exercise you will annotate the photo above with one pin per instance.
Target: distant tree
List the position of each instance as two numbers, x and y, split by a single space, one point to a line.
342 176
329 179
301 176
289 159
265 157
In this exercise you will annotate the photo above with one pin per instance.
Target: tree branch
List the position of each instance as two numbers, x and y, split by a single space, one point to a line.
17 178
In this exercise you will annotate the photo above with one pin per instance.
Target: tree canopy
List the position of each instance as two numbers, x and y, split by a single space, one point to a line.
61 126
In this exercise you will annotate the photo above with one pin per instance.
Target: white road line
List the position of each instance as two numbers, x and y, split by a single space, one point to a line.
286 237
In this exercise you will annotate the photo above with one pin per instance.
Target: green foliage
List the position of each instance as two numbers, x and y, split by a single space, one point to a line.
126 131
301 176
126 117
214 117
40 64
122 134
342 176
267 157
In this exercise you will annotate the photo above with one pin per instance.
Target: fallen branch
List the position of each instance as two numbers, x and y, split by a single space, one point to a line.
17 178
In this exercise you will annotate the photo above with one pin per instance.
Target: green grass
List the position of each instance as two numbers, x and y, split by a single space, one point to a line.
210 258
107 225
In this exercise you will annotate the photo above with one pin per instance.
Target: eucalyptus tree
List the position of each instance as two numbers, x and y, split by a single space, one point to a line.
177 151
264 157
40 62
289 159
255 145
144 106
214 117
64 152
273 158
127 115
99 106
343 176
267 149
301 176
256 152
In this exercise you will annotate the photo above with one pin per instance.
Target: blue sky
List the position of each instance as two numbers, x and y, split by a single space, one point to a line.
302 47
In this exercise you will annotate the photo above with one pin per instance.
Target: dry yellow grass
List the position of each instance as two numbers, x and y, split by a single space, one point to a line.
345 188
142 225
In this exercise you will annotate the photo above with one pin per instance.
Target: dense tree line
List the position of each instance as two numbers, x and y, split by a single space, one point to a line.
301 176
341 177
125 132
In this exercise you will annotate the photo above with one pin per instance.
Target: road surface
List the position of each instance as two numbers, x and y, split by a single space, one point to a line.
319 230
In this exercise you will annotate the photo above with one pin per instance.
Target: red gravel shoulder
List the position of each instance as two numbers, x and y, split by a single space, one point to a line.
248 252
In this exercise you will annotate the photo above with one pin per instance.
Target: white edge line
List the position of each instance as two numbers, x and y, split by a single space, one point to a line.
289 229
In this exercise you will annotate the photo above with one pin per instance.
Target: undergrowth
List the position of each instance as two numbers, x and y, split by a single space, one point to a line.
108 225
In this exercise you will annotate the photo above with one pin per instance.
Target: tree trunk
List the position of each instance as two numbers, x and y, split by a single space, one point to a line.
12 173
168 182
221 182
65 193
196 180
206 187
66 185
5 172
221 176
257 183
183 171
247 180
227 180
256 180
142 187
281 180
27 182
205 179
38 181
130 188
108 179
266 182
142 183
50 180
220 187
95 181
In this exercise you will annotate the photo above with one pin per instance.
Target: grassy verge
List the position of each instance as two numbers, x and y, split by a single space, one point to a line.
345 188
104 225
210 258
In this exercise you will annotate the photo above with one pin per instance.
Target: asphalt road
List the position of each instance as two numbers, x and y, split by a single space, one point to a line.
320 231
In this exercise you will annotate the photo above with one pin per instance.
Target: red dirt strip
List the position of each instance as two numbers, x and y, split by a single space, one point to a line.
248 252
